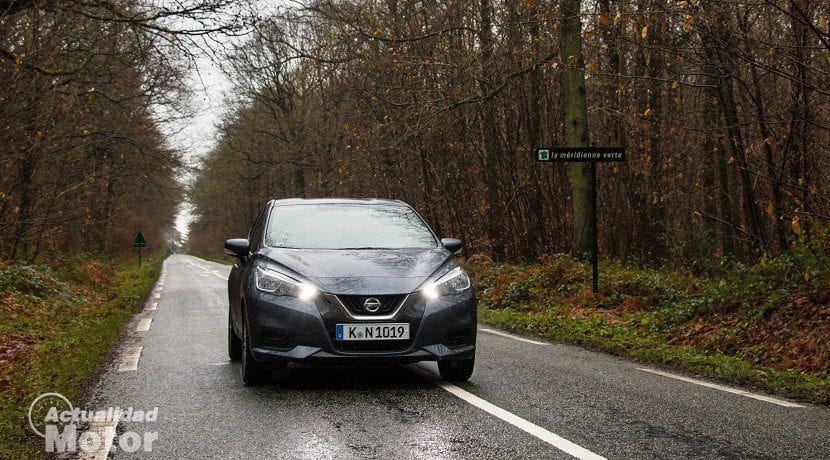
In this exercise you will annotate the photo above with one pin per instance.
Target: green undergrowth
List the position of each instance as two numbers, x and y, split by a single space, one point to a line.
765 325
59 324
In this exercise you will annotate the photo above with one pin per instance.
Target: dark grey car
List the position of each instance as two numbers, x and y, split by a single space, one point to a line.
348 280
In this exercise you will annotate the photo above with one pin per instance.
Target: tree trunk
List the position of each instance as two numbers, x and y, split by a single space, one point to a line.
576 123
491 138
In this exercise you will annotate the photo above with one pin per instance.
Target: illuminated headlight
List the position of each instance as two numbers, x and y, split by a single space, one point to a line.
274 282
454 280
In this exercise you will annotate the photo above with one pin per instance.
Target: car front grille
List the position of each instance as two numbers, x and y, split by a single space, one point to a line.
374 346
356 304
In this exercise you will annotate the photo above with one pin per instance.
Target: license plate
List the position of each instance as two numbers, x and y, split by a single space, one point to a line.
388 331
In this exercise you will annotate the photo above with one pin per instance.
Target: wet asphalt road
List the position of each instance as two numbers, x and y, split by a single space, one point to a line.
604 404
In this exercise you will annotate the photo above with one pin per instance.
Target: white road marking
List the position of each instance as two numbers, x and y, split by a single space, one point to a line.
196 265
105 431
715 386
510 336
208 270
153 306
129 361
144 325
529 427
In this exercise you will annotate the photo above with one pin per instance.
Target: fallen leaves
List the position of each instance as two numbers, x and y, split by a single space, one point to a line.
794 337
13 346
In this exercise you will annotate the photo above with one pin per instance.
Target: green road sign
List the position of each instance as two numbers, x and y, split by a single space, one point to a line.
139 241
580 154
592 155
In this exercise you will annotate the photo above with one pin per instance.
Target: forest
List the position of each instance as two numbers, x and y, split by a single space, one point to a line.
713 232
87 87
722 107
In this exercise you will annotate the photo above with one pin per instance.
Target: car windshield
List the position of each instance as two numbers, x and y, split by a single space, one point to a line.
347 226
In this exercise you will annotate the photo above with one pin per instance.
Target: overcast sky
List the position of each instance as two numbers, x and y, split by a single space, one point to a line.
196 136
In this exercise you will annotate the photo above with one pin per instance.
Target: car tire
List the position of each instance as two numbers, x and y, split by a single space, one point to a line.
234 343
456 371
253 373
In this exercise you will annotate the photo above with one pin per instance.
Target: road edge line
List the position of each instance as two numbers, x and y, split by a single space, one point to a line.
510 336
723 388
144 325
105 429
129 360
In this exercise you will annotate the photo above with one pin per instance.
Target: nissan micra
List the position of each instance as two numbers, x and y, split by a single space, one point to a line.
348 281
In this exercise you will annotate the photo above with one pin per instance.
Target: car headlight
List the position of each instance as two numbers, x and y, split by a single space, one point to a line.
274 282
454 280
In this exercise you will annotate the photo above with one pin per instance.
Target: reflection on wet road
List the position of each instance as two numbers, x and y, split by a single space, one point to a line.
524 398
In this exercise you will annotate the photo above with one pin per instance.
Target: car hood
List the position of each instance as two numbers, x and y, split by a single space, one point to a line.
362 271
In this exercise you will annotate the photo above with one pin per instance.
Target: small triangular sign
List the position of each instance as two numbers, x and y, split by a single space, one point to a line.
139 241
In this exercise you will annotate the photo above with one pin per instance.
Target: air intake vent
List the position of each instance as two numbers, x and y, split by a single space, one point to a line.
371 305
276 339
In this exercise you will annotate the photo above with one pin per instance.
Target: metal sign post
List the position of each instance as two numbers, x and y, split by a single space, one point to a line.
139 242
591 155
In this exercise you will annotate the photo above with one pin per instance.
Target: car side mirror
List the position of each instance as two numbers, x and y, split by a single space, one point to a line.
452 244
237 247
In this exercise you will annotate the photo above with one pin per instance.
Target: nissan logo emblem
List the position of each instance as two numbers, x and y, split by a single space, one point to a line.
372 305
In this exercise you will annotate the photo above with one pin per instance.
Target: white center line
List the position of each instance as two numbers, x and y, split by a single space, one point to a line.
715 386
105 433
207 270
144 325
510 336
529 427
197 265
129 361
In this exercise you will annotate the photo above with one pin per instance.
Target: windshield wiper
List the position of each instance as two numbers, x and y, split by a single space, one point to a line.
363 247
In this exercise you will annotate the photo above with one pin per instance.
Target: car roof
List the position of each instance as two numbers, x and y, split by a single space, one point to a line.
362 201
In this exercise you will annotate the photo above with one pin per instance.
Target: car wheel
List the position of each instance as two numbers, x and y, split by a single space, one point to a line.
234 343
456 371
253 373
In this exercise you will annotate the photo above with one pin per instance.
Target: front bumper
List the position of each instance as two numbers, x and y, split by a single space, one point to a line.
284 329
